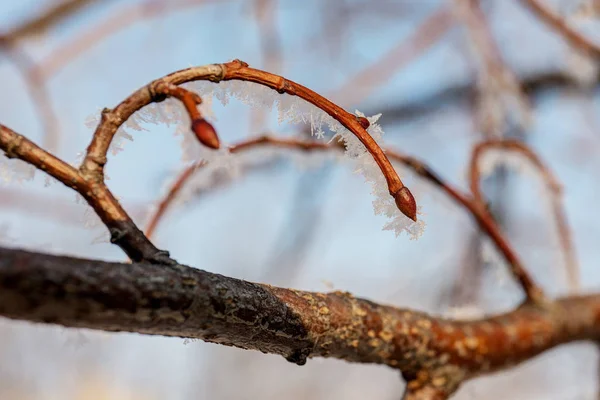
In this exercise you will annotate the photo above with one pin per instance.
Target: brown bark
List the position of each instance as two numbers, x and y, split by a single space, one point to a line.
176 300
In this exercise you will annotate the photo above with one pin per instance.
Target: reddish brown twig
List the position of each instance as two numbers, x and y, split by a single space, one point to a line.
554 187
204 131
562 27
480 214
95 159
123 231
435 355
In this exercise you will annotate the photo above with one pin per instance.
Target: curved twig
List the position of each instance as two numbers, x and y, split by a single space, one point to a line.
480 214
554 187
124 232
95 159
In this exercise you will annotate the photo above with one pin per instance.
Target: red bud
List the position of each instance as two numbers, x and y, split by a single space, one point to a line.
205 133
363 122
406 203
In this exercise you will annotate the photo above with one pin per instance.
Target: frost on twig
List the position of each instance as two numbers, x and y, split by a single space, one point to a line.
15 170
118 142
291 109
383 203
92 222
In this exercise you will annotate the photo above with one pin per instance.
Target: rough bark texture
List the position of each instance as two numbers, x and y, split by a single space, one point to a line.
433 354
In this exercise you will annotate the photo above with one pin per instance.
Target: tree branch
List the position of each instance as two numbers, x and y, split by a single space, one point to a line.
475 206
123 231
49 17
177 300
95 159
554 188
156 295
562 27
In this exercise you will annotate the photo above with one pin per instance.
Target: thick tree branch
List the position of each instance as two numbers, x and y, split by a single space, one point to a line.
177 300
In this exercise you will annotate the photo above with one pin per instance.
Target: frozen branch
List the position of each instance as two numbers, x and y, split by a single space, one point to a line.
95 159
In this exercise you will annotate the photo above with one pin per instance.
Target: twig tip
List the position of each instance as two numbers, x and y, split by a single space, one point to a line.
206 133
406 203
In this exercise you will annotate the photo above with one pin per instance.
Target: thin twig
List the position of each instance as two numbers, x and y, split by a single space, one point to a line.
123 231
562 27
38 93
95 159
552 184
57 12
479 213
203 129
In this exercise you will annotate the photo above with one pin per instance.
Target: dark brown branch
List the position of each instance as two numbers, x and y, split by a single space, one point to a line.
177 300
